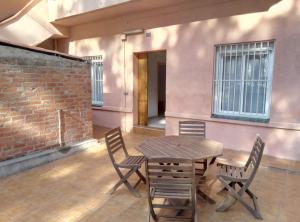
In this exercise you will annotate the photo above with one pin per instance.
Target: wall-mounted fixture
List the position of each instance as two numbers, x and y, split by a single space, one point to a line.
148 34
134 32
131 32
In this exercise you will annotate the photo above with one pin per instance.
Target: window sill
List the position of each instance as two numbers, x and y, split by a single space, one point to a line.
241 118
113 109
96 106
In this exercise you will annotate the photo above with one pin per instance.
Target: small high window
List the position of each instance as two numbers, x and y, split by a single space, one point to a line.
96 79
243 80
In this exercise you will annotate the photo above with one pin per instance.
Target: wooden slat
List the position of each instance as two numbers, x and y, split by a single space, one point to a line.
168 160
177 207
171 174
170 180
180 147
133 160
170 167
192 128
116 144
112 133
184 186
113 151
114 140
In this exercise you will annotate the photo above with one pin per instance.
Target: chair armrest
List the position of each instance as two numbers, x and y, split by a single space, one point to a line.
228 162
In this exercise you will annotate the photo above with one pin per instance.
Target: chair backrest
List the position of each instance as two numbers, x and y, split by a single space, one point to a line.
114 142
170 173
255 157
174 179
192 128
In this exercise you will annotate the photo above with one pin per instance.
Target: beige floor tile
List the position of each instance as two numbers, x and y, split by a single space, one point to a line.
75 189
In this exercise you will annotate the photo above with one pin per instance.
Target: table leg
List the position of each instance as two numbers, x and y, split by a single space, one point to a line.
179 212
212 161
205 197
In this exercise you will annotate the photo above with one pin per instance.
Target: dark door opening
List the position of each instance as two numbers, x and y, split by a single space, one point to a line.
152 89
156 89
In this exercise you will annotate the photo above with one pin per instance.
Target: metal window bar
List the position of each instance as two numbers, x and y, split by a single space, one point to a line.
223 77
221 65
241 102
266 83
245 93
235 70
229 78
259 78
252 78
249 79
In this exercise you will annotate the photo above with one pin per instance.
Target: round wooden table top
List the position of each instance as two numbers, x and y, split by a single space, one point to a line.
182 147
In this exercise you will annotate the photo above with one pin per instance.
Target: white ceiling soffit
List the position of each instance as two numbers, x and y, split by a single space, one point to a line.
11 7
107 11
130 7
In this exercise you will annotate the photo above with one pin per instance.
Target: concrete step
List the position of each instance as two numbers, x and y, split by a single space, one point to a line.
151 131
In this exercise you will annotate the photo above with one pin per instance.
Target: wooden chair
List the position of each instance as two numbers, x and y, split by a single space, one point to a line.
230 175
195 128
115 143
172 184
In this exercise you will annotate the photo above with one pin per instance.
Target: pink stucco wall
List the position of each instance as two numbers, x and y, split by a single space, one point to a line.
190 58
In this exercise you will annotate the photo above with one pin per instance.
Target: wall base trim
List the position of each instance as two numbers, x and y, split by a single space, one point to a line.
13 166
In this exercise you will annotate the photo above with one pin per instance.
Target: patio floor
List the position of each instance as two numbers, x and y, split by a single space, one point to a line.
76 189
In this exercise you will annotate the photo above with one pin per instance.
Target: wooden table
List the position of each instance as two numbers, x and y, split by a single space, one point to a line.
184 147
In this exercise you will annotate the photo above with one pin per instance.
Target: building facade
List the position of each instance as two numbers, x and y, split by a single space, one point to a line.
232 64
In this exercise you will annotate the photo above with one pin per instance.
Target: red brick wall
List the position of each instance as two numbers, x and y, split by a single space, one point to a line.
33 86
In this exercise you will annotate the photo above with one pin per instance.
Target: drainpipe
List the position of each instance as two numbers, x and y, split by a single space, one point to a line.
59 113
124 80
124 74
124 39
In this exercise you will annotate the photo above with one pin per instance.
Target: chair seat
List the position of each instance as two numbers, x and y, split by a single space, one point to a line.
232 173
171 192
132 161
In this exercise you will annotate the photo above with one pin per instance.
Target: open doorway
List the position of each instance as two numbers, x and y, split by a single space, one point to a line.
152 89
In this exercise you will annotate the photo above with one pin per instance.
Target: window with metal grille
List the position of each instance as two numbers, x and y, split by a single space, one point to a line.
243 80
96 79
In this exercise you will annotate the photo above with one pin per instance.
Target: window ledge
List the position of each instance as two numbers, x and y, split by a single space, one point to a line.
113 109
241 118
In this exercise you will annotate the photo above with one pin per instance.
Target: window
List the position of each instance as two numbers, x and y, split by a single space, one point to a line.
96 79
243 80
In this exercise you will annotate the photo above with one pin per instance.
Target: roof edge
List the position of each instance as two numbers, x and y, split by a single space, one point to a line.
41 50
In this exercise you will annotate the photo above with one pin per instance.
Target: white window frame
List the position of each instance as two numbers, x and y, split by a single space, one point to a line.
265 46
96 79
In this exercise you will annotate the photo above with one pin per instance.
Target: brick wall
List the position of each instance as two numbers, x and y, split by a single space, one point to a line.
33 85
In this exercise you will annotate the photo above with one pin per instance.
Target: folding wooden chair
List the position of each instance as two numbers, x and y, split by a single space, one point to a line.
195 128
114 142
172 184
230 175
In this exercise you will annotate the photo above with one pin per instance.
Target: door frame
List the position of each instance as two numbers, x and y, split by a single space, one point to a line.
135 81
